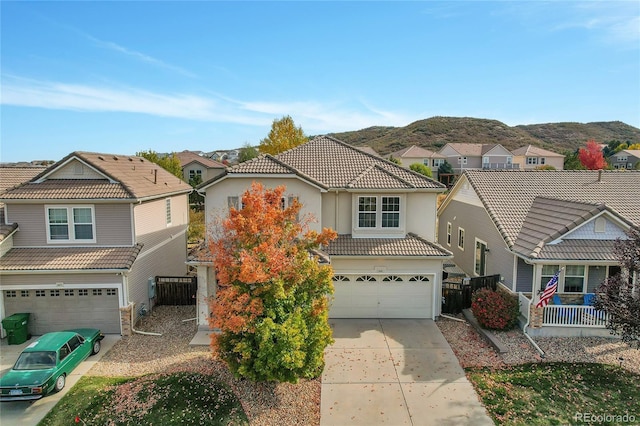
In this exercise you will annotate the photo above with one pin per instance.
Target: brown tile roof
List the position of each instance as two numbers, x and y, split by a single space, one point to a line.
411 245
416 151
187 157
126 177
368 150
6 230
548 219
532 150
508 195
472 149
330 163
601 250
13 176
71 258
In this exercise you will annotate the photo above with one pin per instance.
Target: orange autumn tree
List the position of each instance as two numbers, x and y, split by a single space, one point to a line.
271 303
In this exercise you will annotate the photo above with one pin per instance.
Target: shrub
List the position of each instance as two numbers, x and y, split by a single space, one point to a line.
494 310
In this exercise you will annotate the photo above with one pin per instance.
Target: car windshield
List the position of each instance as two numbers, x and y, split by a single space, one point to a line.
35 361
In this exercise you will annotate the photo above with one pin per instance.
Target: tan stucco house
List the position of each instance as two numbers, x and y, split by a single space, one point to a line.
82 239
415 154
195 165
531 157
386 261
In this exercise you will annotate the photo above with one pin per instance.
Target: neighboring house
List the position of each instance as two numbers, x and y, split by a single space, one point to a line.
14 176
89 234
531 157
465 156
626 159
527 225
415 154
385 260
194 165
368 150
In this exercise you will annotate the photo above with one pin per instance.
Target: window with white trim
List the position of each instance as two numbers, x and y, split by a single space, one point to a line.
437 162
193 173
548 271
462 160
379 212
70 224
461 238
532 160
574 278
449 227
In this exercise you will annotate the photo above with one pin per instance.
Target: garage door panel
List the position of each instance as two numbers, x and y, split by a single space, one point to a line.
60 309
385 297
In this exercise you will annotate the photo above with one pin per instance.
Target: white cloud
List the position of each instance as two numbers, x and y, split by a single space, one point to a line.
313 116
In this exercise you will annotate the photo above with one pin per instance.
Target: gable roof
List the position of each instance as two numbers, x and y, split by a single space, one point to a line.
548 219
532 150
414 151
115 177
186 157
634 152
508 195
330 163
473 149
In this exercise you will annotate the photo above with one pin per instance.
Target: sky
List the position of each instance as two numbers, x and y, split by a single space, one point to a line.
122 77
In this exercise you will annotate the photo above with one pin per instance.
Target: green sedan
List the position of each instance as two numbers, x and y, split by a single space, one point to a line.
43 366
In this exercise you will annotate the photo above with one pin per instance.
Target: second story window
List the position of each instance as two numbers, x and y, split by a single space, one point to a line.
379 212
437 162
168 210
70 224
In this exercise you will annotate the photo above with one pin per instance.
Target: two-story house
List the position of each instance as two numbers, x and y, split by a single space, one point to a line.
626 159
415 154
195 165
386 261
531 157
87 237
465 156
527 225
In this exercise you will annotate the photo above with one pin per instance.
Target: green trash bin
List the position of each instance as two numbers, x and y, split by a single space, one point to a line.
17 328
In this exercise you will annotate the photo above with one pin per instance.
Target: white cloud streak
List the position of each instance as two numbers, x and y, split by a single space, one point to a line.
313 116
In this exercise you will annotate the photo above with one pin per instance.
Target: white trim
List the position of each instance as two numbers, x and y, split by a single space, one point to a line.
449 233
70 223
75 158
475 248
463 238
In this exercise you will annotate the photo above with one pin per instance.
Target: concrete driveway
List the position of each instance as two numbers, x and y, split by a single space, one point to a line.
395 372
29 413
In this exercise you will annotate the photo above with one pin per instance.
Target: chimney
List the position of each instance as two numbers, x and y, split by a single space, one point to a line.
155 175
600 175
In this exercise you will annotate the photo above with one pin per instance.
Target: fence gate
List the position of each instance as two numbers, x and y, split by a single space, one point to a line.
457 295
176 290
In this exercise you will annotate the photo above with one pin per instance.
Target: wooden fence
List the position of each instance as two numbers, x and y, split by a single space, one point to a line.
456 296
176 290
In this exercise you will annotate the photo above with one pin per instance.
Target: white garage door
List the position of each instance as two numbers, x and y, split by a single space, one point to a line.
382 296
60 309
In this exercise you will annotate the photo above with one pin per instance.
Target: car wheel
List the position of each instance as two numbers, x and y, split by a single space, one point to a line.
60 382
96 347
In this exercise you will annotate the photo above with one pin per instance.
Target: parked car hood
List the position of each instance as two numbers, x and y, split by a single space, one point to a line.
16 378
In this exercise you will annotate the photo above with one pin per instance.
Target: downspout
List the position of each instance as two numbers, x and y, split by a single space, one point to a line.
524 331
146 333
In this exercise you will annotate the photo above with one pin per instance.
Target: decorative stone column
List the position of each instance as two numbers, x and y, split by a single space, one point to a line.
536 314
125 319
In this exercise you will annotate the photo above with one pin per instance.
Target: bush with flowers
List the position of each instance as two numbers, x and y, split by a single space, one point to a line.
494 310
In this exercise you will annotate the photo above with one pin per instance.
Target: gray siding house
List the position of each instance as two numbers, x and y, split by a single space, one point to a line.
465 156
526 226
626 159
386 261
82 239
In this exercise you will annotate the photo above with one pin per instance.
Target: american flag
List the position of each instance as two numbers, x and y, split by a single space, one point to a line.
549 290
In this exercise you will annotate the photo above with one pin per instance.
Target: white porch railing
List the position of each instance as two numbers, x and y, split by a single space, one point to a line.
573 316
524 306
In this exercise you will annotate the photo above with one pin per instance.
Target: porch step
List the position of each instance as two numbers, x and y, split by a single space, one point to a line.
488 335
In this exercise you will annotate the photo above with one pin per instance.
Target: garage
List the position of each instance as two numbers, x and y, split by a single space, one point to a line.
60 309
382 296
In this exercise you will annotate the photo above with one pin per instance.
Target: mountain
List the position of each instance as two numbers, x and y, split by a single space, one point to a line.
433 133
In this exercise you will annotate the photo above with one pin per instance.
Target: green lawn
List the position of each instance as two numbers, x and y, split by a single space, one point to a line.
559 393
175 399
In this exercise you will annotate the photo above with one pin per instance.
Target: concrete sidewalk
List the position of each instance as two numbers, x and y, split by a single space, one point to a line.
395 372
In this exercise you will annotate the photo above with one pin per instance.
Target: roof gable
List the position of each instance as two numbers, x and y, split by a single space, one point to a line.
534 151
415 152
188 157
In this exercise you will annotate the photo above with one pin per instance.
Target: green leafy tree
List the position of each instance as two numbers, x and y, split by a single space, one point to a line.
394 160
445 168
196 200
572 162
283 136
421 168
170 162
271 305
247 152
618 296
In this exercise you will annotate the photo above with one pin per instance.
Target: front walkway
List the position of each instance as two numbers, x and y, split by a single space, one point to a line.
395 372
